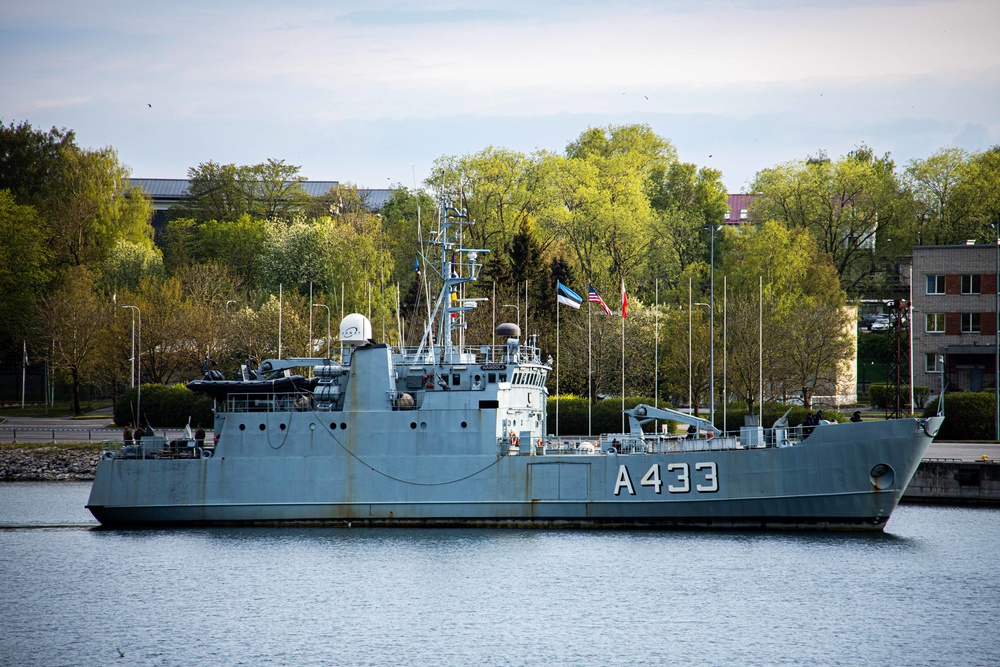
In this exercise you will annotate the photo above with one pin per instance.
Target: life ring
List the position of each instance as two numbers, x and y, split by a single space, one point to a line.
539 442
429 381
612 450
514 439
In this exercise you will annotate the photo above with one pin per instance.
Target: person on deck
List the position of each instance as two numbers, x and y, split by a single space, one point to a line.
127 434
856 417
199 437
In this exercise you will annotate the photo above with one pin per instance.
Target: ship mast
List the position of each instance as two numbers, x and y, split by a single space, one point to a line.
457 265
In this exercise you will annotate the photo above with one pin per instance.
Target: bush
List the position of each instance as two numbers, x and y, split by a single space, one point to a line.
880 395
165 407
969 415
772 411
606 415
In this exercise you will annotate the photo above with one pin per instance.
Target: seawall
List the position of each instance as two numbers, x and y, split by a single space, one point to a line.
952 482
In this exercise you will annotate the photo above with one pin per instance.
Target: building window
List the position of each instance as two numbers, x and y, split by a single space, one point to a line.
727 215
933 363
935 284
935 323
970 323
970 284
744 214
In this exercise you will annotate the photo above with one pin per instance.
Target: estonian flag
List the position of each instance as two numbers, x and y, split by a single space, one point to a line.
566 296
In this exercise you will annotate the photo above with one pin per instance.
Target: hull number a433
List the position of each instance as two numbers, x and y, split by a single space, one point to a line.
702 477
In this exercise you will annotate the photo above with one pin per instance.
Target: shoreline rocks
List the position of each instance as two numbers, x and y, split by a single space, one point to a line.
43 464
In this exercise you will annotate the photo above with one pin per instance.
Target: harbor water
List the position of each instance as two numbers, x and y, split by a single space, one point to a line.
924 592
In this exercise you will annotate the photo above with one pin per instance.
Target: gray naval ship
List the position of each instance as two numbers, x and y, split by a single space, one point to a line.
442 434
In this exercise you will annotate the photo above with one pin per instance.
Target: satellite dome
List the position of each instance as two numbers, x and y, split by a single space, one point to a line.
508 330
355 330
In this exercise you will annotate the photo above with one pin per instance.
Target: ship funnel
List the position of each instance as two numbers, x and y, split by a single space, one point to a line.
508 330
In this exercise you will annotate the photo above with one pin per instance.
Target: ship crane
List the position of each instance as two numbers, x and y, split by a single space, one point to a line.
643 414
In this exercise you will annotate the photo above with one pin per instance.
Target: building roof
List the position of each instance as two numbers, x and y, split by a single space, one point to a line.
168 191
738 203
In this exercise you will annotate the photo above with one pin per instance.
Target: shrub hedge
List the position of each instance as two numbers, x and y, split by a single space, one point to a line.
735 412
879 395
606 415
165 407
969 415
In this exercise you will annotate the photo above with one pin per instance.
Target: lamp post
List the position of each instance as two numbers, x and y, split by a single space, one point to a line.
320 305
229 302
996 340
711 327
138 399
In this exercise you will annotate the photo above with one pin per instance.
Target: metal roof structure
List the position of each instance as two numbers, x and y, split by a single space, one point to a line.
167 192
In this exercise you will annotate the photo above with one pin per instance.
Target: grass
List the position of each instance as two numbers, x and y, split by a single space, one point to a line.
60 409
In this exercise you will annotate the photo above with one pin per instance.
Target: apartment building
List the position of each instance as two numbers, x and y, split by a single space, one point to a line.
955 316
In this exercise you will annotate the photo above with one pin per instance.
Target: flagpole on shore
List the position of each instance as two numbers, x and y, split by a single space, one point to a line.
590 370
557 362
24 371
624 315
656 352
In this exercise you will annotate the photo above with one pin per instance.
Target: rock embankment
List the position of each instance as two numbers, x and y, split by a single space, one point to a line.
35 464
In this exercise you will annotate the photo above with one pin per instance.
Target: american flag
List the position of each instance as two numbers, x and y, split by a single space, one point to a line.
596 298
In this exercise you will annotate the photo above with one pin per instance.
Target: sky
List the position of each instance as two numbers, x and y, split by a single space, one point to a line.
372 92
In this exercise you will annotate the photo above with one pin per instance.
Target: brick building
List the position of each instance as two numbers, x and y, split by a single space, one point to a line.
955 316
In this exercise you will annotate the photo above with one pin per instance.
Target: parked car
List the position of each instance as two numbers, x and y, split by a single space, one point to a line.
880 325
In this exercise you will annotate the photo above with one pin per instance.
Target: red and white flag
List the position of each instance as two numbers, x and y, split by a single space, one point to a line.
624 301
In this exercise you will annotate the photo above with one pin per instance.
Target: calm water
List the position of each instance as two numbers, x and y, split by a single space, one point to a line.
924 593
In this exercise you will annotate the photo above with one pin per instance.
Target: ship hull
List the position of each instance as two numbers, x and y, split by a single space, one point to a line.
848 476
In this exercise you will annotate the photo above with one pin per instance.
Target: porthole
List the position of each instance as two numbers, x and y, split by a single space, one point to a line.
281 426
333 426
423 425
465 425
343 426
243 427
312 427
413 424
262 427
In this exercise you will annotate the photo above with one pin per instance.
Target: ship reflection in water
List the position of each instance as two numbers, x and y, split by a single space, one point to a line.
916 594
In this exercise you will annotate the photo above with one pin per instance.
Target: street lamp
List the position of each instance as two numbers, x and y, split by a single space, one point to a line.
138 400
229 302
711 328
320 305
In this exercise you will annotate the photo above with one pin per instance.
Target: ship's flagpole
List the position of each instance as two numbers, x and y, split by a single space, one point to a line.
760 351
310 353
624 315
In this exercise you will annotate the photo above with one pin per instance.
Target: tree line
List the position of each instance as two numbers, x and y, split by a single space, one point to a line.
617 206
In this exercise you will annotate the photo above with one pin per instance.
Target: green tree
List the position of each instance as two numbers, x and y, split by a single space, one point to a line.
30 160
24 270
847 205
944 195
92 206
227 192
806 322
72 319
128 264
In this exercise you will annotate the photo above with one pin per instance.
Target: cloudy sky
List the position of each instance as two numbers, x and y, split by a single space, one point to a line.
371 92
